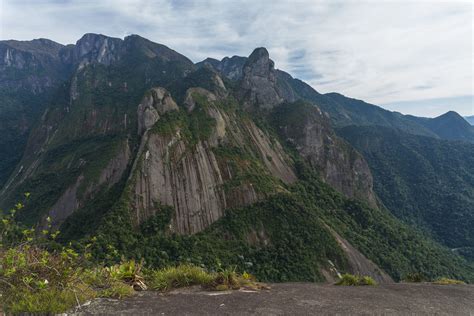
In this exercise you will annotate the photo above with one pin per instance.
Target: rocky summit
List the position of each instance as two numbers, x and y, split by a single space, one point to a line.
228 163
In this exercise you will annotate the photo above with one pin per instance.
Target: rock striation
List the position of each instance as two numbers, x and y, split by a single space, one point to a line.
192 177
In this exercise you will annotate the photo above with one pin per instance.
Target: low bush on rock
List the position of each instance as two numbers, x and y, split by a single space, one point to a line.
355 280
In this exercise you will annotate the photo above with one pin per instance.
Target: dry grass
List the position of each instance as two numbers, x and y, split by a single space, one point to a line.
447 281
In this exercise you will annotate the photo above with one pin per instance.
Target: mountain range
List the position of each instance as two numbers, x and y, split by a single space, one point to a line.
229 162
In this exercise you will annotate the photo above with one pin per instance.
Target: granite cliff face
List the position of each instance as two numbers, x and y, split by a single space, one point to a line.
306 127
191 176
257 86
230 67
83 119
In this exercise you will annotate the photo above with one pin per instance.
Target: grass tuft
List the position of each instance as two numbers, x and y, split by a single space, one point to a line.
355 280
175 277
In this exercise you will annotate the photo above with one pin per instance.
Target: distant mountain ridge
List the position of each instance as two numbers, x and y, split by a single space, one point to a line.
470 119
345 111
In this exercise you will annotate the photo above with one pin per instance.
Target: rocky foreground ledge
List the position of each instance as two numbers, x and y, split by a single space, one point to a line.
297 299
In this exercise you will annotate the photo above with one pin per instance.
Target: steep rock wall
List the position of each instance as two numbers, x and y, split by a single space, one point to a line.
192 178
341 166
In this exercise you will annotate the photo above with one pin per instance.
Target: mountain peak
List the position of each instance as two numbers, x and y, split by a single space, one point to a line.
98 47
259 53
259 64
451 116
451 125
94 37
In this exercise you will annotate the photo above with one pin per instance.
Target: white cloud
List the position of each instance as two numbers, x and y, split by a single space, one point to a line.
379 51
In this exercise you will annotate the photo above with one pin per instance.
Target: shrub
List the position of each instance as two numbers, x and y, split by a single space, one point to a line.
447 281
366 280
38 275
36 280
105 285
186 275
128 272
225 279
46 301
355 280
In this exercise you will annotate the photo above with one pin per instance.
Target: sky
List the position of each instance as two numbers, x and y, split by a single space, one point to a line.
415 57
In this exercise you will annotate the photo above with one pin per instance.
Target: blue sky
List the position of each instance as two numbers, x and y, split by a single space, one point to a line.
415 57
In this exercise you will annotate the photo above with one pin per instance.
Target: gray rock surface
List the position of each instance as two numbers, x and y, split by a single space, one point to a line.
231 68
258 84
297 299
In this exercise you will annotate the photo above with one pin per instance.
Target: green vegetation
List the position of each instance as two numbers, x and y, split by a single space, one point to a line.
355 280
254 242
178 276
395 247
187 274
284 238
59 169
38 275
426 182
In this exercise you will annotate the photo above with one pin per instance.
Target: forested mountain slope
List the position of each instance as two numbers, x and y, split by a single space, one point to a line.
231 162
424 181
